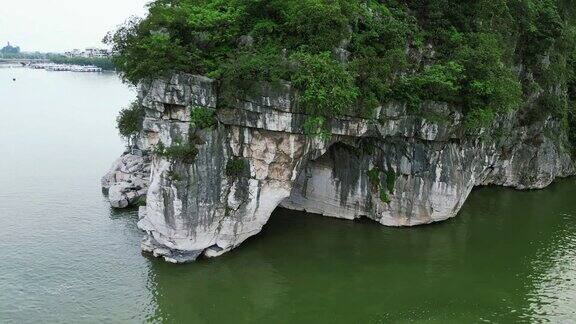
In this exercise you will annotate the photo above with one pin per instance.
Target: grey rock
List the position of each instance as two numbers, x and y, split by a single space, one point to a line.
206 211
126 183
246 41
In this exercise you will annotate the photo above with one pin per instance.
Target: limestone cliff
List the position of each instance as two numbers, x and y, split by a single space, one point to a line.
399 169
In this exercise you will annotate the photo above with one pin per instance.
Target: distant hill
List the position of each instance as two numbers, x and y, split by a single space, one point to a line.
10 50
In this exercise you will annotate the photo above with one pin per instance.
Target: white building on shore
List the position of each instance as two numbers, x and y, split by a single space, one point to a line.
91 52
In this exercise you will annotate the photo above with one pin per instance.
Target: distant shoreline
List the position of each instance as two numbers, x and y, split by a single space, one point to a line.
105 63
9 65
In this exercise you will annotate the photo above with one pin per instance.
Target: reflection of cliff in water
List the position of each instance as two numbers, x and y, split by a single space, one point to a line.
552 273
245 287
487 264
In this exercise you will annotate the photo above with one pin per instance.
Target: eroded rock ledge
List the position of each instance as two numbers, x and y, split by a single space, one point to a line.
400 169
126 183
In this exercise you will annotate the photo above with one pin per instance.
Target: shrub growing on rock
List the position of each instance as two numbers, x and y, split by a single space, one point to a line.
374 177
384 196
129 121
236 167
185 153
202 117
390 180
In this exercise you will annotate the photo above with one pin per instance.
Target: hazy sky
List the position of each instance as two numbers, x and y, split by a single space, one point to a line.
61 25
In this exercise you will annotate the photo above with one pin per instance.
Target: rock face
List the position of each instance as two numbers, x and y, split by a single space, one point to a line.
400 169
127 181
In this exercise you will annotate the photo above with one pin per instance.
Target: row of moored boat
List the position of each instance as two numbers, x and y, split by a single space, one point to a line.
65 67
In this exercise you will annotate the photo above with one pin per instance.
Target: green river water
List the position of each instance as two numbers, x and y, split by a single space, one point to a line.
67 257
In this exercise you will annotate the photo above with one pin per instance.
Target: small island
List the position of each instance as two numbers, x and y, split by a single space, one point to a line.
352 109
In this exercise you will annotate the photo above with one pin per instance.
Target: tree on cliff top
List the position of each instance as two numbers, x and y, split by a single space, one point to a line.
360 53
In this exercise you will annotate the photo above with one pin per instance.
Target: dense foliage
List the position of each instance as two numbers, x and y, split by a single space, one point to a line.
350 56
129 121
202 117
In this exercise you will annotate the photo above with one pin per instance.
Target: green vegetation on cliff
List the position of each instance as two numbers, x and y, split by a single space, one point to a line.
184 153
202 117
129 122
349 56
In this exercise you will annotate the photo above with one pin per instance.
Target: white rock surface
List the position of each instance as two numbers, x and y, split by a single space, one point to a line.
126 183
198 209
